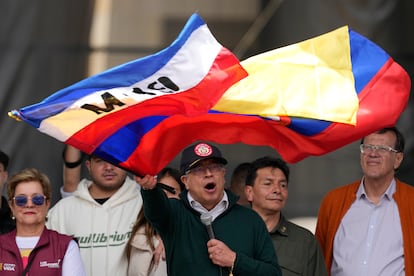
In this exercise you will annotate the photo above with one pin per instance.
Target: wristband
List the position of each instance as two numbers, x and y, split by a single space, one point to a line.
71 165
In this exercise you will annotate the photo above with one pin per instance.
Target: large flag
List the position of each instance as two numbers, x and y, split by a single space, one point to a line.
366 88
316 86
99 114
301 80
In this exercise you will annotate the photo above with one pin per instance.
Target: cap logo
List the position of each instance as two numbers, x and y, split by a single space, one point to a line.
203 150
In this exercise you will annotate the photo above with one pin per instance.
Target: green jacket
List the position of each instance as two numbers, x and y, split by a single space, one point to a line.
297 250
185 237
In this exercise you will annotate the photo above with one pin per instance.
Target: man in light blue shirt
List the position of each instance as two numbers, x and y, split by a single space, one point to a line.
368 236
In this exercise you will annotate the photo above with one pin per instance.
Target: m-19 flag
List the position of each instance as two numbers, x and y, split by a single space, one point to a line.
351 89
106 114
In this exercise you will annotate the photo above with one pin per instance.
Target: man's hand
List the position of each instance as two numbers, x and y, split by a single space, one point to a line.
147 182
220 254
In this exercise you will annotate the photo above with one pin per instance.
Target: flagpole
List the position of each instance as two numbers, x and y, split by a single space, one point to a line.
255 29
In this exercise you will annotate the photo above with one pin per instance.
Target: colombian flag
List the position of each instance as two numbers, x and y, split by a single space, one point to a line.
305 99
327 92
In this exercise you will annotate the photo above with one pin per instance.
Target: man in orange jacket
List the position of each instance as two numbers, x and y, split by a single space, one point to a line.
365 228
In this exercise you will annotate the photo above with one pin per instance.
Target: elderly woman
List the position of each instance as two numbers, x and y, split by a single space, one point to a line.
32 249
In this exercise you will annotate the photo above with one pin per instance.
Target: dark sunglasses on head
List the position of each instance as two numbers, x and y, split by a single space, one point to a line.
167 188
21 200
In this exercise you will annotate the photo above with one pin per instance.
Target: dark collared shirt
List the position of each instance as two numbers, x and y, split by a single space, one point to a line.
297 250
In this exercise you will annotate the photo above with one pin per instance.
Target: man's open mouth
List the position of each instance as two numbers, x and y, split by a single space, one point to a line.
210 186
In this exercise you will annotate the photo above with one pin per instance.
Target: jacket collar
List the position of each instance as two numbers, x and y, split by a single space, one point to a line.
231 197
281 228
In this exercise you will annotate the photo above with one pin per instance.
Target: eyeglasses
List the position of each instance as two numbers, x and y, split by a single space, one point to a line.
381 149
21 200
201 170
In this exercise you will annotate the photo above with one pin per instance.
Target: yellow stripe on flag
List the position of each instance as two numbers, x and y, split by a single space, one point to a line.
310 79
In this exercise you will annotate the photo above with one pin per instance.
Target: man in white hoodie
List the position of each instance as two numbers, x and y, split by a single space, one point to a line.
100 214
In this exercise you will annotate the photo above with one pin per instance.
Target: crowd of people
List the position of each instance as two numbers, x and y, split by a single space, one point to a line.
185 221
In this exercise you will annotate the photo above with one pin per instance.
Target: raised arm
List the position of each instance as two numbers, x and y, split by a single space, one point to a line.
156 204
72 161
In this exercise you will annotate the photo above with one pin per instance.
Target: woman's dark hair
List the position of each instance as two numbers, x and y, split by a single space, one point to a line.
174 173
4 159
149 232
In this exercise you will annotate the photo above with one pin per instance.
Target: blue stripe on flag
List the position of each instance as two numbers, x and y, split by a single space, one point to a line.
120 76
367 59
308 127
125 140
304 126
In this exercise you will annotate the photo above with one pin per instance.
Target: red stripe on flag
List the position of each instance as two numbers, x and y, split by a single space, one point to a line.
224 72
381 103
